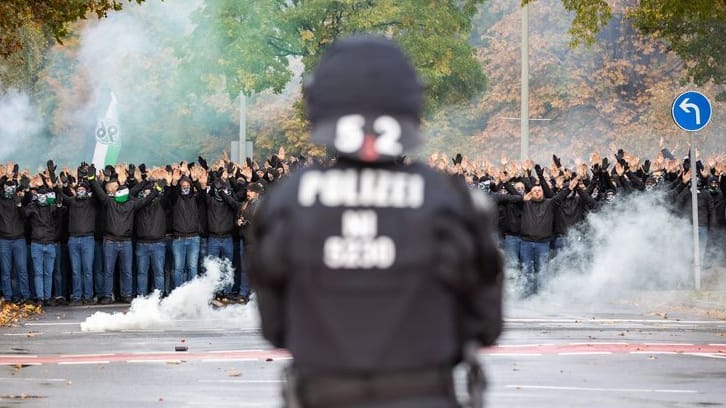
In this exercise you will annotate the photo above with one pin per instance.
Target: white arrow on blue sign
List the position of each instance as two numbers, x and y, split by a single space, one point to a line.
691 111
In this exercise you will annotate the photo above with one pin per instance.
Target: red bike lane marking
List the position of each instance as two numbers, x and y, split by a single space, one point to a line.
523 349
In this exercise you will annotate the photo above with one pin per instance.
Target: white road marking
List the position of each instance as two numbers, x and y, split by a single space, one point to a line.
523 345
53 324
84 362
218 360
22 364
584 353
243 381
14 379
17 356
590 389
590 320
31 334
710 355
514 354
153 361
668 344
655 352
86 355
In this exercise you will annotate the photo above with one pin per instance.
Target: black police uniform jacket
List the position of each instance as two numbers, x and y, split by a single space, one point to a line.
375 269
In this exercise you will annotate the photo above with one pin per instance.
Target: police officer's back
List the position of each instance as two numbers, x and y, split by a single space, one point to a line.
374 275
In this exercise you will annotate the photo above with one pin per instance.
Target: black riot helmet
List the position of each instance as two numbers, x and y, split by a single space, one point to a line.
364 100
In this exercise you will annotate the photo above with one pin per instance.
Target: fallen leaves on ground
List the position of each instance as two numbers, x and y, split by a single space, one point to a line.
11 313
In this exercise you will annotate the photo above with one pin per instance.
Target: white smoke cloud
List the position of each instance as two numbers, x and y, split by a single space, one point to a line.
634 245
188 305
19 122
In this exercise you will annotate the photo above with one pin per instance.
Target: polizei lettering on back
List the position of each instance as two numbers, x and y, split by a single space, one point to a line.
361 188
362 191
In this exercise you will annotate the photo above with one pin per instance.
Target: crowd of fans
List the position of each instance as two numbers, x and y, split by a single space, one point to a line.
538 206
88 235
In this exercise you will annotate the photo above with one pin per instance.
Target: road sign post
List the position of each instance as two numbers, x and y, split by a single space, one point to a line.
691 111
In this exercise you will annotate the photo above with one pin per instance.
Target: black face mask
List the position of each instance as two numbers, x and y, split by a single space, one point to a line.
9 191
186 190
83 195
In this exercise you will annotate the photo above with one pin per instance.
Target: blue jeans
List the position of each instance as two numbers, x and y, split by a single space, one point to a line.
150 254
244 286
43 263
98 269
81 250
534 256
512 244
221 248
186 259
124 252
14 253
60 271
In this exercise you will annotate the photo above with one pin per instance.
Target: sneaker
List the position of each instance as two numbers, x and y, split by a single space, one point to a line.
75 302
49 302
125 299
104 301
91 301
60 301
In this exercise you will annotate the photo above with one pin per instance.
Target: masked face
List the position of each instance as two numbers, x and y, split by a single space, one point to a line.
83 194
649 186
50 198
520 188
121 195
485 186
42 199
186 188
610 196
713 188
9 191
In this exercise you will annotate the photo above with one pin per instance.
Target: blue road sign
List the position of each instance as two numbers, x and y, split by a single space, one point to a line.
691 111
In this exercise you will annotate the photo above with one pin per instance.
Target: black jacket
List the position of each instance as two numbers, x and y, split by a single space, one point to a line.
81 214
538 216
706 210
221 214
119 217
184 212
12 224
434 263
150 221
43 219
572 210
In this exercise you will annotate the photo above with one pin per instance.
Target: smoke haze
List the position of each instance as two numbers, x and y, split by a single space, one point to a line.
636 243
190 303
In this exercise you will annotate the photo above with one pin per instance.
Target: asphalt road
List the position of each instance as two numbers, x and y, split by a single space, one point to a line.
624 357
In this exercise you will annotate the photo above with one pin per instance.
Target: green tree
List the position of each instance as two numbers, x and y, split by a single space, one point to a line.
694 30
54 18
256 39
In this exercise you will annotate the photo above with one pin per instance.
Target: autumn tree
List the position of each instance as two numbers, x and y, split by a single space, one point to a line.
694 30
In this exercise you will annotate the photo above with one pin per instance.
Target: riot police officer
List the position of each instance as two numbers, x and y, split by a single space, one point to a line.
374 275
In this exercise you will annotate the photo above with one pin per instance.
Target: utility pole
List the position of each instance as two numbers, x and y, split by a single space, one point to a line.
524 94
